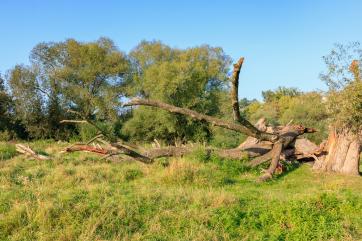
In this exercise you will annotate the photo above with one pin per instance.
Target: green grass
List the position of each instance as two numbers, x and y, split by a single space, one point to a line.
78 197
7 151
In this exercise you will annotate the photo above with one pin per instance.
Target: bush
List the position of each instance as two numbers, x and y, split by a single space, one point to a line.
5 136
86 132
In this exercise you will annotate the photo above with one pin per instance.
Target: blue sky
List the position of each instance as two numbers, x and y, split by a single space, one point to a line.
282 41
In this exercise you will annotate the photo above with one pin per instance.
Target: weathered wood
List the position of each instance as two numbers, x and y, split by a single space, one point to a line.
269 143
234 90
202 117
26 150
170 151
275 153
341 153
87 148
276 140
351 163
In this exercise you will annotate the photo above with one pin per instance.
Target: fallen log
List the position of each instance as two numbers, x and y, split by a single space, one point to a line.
26 150
252 131
265 142
87 148
278 139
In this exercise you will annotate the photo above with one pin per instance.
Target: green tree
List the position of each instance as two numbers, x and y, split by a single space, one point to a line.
222 137
344 81
5 110
307 109
85 77
275 95
188 78
24 85
344 105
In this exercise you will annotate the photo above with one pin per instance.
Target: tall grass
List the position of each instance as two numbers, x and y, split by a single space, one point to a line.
7 151
200 197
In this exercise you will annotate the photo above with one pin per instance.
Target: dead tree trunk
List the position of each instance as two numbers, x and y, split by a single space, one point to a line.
342 153
279 139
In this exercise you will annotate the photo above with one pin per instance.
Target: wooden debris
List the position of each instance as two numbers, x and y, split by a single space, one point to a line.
26 150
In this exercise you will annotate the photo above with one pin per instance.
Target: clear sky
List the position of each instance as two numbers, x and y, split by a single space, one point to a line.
282 41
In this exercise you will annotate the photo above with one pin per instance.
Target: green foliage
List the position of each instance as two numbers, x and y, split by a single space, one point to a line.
86 76
275 95
345 107
24 84
93 78
338 61
188 78
307 109
343 77
147 124
86 132
7 151
79 197
222 137
225 138
5 109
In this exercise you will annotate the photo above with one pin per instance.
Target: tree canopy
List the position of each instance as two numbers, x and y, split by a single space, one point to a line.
189 78
94 78
343 77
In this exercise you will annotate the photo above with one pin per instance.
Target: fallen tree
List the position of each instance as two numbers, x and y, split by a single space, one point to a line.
26 150
341 153
264 143
270 145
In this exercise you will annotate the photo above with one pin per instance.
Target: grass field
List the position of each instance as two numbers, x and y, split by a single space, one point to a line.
79 197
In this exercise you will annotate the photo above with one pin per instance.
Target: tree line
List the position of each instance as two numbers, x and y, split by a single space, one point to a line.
96 78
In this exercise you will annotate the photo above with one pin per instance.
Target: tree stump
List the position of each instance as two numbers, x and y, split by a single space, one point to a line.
342 153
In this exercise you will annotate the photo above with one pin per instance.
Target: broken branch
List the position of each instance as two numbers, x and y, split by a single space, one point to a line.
247 130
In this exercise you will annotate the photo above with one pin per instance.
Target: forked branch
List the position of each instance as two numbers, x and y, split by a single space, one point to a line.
236 108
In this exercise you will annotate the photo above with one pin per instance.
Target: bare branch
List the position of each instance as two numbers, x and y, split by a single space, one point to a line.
235 89
94 138
247 130
88 149
26 150
235 102
135 155
275 153
261 159
73 121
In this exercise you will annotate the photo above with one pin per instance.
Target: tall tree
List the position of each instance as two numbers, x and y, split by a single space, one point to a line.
307 109
28 101
188 78
343 77
85 77
275 95
5 107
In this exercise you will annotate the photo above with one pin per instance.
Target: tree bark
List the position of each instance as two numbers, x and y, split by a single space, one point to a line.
247 130
342 153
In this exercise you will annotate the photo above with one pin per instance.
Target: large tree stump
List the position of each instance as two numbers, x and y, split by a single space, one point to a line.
342 153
